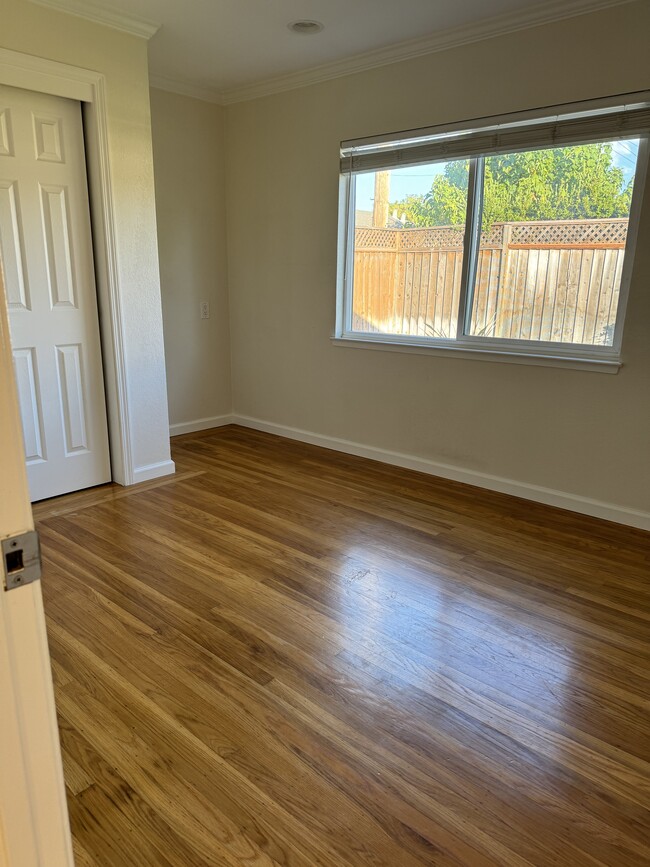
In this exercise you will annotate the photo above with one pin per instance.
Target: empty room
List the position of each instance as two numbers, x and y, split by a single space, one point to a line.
325 433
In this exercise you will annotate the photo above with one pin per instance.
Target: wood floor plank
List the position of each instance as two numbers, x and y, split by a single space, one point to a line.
192 815
284 655
254 745
128 717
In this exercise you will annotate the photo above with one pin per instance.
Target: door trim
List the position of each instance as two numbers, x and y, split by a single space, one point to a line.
89 87
34 826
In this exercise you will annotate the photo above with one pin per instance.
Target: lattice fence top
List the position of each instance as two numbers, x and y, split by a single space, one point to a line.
378 239
557 233
581 232
445 237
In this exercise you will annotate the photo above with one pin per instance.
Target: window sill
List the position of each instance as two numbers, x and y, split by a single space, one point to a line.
509 356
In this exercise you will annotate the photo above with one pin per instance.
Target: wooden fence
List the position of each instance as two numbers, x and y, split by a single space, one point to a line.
553 281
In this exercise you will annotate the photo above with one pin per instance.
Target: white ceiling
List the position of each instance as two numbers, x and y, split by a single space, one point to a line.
222 46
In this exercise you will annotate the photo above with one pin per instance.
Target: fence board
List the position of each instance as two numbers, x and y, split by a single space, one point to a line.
552 281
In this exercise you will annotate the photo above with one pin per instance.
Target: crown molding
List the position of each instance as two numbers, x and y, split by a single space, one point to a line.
546 13
130 24
186 88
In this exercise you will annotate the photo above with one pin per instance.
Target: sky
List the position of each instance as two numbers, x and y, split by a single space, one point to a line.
403 182
417 180
625 154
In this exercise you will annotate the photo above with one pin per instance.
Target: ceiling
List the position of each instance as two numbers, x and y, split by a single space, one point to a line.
223 49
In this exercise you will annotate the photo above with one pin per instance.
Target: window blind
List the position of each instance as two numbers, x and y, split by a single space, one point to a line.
610 125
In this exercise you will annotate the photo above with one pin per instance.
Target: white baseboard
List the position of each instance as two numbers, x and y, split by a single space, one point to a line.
548 496
176 430
153 471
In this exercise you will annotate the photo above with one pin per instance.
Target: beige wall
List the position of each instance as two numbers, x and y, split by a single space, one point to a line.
45 33
583 433
190 204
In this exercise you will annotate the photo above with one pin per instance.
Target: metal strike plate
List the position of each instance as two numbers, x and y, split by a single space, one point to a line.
21 560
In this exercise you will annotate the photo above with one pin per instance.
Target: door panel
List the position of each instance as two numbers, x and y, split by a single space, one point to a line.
6 143
56 231
48 139
13 248
46 248
71 388
30 403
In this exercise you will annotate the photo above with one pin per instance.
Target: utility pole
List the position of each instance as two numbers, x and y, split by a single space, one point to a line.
382 195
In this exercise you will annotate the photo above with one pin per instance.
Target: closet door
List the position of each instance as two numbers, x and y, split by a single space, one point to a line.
46 247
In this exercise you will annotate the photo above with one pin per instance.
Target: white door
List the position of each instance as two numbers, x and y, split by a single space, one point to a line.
46 247
34 830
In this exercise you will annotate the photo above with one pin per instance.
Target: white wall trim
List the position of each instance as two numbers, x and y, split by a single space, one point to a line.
553 10
186 88
132 24
547 496
425 346
198 424
153 471
59 79
45 76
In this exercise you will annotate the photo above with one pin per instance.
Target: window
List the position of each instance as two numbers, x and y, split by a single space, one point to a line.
514 236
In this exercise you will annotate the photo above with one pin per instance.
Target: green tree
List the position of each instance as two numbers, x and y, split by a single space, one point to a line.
569 183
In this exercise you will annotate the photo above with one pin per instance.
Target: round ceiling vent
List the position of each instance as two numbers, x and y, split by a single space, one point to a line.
306 28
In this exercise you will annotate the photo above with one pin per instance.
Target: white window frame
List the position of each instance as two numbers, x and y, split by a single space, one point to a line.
556 354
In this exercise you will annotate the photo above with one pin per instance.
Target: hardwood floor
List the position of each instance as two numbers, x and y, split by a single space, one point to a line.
288 656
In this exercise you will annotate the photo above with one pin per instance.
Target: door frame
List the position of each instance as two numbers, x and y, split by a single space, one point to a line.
89 88
34 826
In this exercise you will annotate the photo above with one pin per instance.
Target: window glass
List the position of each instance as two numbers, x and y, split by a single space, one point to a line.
554 227
408 249
512 237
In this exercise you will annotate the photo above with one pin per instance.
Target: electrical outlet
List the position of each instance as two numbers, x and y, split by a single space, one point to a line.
205 310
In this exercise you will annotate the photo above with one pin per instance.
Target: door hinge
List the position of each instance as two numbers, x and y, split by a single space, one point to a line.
21 560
